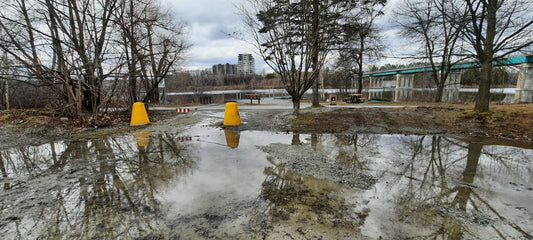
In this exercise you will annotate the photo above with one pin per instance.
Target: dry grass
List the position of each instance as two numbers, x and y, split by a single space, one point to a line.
509 121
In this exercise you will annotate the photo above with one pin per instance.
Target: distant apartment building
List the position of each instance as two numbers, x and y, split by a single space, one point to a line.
225 69
246 64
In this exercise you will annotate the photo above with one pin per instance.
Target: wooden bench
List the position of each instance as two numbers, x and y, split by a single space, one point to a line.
252 97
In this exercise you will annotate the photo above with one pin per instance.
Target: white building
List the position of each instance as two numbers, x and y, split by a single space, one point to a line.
246 64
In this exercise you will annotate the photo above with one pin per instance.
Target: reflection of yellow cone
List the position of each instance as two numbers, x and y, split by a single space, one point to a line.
139 115
231 115
232 138
143 138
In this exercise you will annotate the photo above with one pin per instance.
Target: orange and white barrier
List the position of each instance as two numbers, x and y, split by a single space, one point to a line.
183 110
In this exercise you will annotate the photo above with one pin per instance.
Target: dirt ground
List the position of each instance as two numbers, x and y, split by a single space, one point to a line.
505 122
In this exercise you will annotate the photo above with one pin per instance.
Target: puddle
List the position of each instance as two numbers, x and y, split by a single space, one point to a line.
209 182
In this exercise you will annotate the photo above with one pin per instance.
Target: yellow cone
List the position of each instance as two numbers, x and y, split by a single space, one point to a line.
139 115
231 115
232 138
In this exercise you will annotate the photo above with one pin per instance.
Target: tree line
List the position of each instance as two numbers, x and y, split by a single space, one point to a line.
88 53
295 38
83 50
481 30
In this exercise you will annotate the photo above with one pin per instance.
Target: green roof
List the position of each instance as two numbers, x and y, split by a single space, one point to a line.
468 65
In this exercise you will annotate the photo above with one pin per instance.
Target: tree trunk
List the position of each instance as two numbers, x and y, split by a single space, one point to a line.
153 95
316 36
440 81
360 64
295 106
73 100
360 82
4 63
438 97
483 95
7 95
132 88
316 94
486 57
132 71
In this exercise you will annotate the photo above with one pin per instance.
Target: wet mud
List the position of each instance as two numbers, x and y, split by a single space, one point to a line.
187 177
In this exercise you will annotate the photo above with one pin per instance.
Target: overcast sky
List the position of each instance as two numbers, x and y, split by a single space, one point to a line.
209 21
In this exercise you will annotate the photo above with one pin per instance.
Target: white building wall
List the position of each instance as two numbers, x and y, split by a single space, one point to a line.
246 64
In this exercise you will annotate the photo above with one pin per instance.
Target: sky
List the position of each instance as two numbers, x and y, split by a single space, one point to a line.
210 21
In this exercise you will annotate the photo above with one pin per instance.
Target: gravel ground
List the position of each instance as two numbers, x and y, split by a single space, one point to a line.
304 161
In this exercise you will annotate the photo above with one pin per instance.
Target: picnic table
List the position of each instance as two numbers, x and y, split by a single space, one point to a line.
252 97
355 98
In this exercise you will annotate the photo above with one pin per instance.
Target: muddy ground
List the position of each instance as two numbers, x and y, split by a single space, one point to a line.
505 121
328 217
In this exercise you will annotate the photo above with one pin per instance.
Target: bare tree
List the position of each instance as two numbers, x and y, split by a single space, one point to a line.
128 18
62 44
341 77
325 17
4 74
73 46
495 29
152 44
295 37
437 29
279 31
360 39
165 46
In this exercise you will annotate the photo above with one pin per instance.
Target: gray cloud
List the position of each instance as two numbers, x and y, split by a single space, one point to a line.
210 21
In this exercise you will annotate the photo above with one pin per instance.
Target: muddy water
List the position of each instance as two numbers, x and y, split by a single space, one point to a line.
207 182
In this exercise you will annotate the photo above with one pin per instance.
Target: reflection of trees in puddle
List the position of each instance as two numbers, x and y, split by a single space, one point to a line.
354 150
442 191
304 203
28 161
318 206
110 189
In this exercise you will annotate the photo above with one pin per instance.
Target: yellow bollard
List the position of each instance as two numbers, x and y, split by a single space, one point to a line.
139 115
231 115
